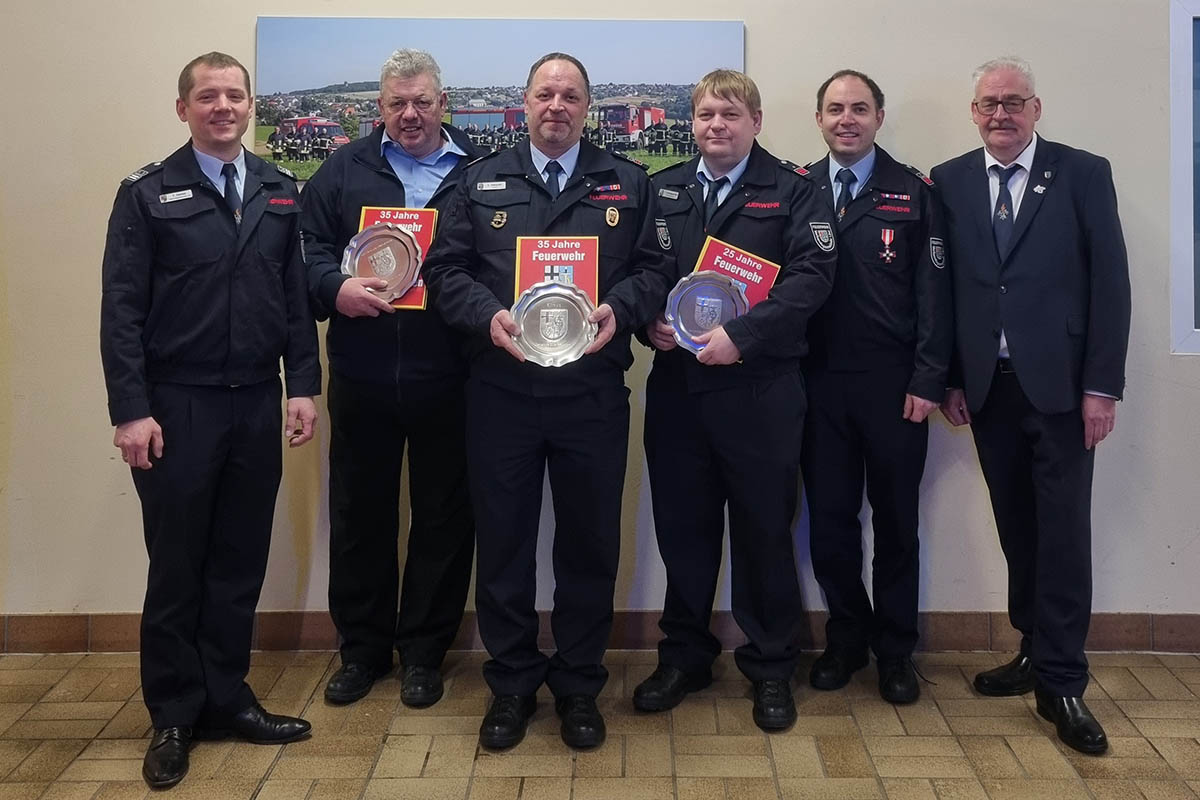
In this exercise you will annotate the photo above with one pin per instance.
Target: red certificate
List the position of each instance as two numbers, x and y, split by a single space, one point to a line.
566 259
755 275
420 222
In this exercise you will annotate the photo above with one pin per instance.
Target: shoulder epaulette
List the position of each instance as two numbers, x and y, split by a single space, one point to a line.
285 171
792 167
666 169
925 178
483 157
631 160
138 174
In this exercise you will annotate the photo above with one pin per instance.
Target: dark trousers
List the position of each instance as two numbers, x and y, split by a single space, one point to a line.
512 440
207 509
1039 476
739 446
856 434
370 426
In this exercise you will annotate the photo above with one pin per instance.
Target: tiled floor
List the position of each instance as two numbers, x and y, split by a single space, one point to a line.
73 727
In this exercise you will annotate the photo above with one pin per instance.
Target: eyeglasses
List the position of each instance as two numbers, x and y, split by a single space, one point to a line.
422 105
1012 105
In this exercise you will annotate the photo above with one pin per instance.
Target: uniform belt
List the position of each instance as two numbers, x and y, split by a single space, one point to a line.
1005 366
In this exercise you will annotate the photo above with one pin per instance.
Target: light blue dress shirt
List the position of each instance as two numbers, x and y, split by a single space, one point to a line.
421 176
862 170
211 167
705 176
567 161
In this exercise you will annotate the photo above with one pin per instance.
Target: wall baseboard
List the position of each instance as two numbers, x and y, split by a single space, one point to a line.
632 630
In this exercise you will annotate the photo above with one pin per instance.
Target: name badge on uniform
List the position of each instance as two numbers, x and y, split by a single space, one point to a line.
490 186
173 196
670 194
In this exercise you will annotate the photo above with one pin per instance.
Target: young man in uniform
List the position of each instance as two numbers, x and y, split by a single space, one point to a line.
877 368
204 292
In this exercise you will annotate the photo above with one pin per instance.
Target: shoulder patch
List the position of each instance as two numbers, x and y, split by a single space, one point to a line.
793 167
924 178
138 174
621 155
285 171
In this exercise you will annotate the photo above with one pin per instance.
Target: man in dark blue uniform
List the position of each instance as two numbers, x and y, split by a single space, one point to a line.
877 368
725 426
1041 287
523 418
396 378
204 291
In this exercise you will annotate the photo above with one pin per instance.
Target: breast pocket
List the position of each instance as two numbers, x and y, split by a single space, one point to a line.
277 231
501 216
616 219
187 233
890 236
760 229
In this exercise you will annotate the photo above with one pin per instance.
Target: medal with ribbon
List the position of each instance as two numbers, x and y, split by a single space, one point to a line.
888 235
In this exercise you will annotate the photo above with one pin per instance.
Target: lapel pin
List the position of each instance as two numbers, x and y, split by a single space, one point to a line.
1039 188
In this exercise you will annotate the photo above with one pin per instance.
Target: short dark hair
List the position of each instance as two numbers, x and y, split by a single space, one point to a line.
213 60
587 84
876 92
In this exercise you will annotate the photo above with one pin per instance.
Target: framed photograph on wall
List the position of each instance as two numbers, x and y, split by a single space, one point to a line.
318 79
1185 177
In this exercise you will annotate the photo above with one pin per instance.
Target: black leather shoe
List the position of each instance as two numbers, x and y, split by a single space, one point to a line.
774 709
166 760
352 682
898 681
420 686
667 687
582 725
505 722
1013 679
258 726
834 668
1073 721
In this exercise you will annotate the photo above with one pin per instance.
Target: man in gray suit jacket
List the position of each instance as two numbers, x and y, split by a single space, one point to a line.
1041 288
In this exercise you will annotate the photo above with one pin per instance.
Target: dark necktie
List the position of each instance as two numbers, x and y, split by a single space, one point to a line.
553 168
845 177
232 198
1003 216
713 199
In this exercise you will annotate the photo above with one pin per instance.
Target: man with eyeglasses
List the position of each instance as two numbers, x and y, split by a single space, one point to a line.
1041 284
396 378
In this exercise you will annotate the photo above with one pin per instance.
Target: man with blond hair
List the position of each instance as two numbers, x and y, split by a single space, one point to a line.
724 426
395 380
204 292
1041 290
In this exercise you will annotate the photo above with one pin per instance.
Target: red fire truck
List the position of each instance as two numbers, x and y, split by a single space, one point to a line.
627 124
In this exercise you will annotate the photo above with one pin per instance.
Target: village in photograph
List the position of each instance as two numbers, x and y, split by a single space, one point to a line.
309 105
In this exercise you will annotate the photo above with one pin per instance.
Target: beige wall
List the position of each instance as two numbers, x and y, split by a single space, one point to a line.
88 94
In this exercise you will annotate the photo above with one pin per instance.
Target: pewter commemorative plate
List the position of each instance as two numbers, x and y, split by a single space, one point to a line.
700 302
553 318
384 250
